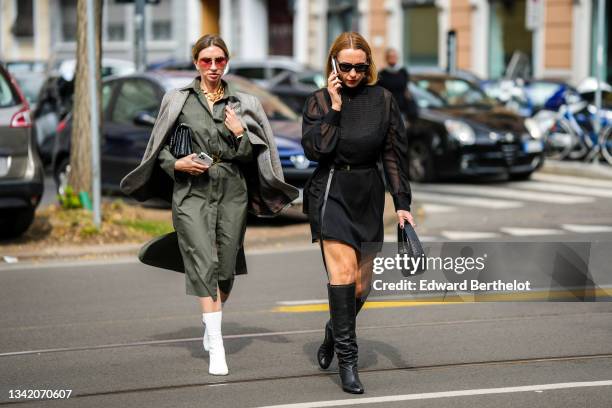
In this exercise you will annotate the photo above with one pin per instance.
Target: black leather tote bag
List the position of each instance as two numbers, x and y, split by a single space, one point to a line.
408 243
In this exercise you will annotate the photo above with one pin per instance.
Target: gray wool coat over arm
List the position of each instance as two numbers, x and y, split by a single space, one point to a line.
268 193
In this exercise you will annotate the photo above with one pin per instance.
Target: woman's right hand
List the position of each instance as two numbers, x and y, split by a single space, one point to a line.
334 84
190 166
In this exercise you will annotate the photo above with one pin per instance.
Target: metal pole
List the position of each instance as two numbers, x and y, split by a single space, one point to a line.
140 58
451 52
93 99
594 154
601 12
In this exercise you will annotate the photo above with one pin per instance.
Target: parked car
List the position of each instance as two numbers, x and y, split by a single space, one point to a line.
130 105
15 67
21 174
54 100
461 132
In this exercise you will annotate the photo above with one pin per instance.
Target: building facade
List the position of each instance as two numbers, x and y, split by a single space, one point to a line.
556 37
46 29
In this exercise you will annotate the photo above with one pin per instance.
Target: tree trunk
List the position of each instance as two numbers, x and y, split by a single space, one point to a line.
80 152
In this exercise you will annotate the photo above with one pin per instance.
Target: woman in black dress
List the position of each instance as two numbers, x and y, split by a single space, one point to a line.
348 128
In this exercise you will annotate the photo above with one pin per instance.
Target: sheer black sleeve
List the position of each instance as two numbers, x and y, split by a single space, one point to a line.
395 158
320 131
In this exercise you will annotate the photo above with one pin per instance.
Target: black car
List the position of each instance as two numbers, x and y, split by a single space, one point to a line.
21 174
130 105
461 132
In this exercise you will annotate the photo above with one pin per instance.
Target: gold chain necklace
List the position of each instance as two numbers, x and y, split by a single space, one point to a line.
214 96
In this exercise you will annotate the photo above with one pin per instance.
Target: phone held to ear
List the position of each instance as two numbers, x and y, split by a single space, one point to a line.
334 65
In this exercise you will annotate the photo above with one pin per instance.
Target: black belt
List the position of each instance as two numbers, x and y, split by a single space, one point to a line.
349 167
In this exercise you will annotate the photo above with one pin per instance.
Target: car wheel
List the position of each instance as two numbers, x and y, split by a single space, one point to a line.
62 174
16 223
420 166
521 176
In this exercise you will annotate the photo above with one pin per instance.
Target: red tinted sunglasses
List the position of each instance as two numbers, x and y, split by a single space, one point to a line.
207 62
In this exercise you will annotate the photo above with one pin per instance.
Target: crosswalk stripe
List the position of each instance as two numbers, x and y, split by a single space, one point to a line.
530 231
563 188
467 235
585 229
504 192
431 208
581 181
466 201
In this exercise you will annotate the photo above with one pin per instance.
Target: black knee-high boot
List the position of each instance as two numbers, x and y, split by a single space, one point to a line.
342 308
325 354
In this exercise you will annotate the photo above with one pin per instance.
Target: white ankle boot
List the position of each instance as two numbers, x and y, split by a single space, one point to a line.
205 337
216 351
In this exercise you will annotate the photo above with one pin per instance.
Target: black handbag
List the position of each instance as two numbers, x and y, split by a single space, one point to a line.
180 141
408 243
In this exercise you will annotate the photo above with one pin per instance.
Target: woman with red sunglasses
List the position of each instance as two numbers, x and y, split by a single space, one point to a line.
348 128
211 195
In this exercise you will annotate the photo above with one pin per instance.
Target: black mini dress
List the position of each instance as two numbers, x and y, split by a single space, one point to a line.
368 130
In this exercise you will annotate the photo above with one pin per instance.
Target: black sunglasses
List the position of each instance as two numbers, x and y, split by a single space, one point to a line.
346 67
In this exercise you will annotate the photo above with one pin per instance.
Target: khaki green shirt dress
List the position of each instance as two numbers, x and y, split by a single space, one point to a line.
209 211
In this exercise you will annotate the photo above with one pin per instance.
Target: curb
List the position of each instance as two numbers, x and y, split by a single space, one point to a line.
580 169
71 252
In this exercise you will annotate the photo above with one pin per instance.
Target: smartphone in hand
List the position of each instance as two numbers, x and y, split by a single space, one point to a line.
204 159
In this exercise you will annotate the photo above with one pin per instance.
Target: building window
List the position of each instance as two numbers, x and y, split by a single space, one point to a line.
420 33
160 16
342 15
68 15
23 26
280 27
508 35
114 20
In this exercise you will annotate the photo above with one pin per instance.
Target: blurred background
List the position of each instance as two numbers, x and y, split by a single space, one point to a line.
493 87
556 36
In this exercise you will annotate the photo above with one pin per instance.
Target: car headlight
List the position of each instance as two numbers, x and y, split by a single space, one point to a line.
533 128
461 131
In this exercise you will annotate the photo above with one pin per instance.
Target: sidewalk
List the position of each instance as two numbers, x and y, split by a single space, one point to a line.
577 168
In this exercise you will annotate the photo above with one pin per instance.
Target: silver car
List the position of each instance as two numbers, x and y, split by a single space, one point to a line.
21 174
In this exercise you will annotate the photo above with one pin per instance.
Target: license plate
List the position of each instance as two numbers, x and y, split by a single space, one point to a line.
4 165
532 146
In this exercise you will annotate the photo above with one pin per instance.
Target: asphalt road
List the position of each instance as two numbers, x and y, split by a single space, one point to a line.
119 334
125 335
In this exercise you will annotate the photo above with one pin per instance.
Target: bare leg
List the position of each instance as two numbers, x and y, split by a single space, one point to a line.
341 260
208 305
363 280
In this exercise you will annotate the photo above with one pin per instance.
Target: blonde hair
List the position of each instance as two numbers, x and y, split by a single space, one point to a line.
354 41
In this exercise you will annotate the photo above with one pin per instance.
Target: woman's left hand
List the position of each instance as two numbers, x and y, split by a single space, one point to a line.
402 216
232 122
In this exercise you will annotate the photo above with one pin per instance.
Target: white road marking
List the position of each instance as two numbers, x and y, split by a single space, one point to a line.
300 302
444 394
467 235
525 232
586 229
564 188
392 238
431 208
581 181
134 260
466 201
504 192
